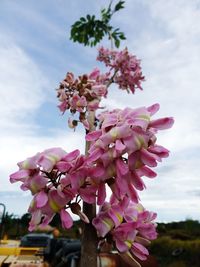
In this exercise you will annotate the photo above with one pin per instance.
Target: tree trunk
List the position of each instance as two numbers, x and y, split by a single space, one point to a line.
89 239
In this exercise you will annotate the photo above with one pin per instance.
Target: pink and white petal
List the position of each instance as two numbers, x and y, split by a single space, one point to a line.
93 136
159 150
29 163
97 171
124 202
145 171
63 166
134 160
35 219
149 158
72 155
122 167
88 194
41 199
153 109
132 193
137 181
102 224
66 219
119 146
20 175
94 74
121 245
24 187
46 162
162 124
101 194
139 251
95 154
47 219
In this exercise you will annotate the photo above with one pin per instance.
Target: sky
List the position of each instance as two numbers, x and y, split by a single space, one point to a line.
36 53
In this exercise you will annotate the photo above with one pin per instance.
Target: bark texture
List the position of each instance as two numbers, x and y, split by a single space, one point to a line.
89 239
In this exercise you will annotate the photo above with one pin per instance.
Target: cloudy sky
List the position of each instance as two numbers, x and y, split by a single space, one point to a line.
35 54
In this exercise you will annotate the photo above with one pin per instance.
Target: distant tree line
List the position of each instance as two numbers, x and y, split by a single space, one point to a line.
14 227
184 230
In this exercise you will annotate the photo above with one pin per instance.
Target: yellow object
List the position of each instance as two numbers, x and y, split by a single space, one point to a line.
5 237
13 255
16 251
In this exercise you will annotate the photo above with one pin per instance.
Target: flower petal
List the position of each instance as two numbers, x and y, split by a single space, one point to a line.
41 199
66 219
162 124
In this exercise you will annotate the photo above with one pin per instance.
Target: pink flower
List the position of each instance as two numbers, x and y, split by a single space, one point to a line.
126 66
103 225
49 158
66 219
108 218
20 175
54 178
128 225
78 103
82 95
124 149
41 199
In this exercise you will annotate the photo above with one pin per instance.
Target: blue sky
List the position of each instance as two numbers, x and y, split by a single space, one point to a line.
35 54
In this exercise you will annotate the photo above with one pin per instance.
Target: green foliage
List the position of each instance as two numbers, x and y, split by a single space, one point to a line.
178 244
15 227
169 251
89 30
184 230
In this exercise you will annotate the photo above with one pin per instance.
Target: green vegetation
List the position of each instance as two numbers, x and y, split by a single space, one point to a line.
178 244
89 30
15 227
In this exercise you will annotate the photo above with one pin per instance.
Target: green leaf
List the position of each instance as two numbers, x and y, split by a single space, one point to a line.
119 6
90 31
82 19
122 36
117 42
88 17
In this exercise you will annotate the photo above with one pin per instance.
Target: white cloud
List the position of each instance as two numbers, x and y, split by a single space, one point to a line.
21 82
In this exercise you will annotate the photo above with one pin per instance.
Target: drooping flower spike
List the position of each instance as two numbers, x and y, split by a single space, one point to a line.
124 149
128 225
54 178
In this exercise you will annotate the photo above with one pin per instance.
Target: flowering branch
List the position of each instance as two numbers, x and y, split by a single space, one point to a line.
121 149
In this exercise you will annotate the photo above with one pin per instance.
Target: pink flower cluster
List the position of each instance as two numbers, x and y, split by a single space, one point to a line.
124 150
126 68
121 152
82 95
128 224
54 178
